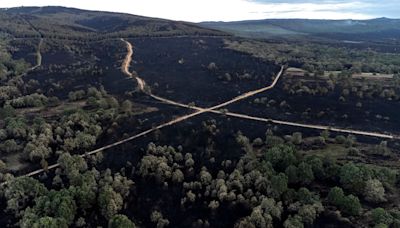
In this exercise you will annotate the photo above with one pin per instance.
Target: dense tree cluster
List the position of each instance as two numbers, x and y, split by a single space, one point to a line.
83 191
32 100
272 186
74 131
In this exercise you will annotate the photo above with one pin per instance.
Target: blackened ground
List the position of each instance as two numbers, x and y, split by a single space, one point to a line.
194 139
24 49
92 64
364 118
157 61
110 55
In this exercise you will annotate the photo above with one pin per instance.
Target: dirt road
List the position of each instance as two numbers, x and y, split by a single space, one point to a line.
38 59
127 63
38 55
309 126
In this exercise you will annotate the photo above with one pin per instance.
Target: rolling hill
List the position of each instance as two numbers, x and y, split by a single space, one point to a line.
380 28
61 22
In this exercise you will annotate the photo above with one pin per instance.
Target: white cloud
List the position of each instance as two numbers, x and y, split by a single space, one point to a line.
207 10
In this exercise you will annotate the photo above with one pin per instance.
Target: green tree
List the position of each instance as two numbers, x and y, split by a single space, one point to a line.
281 157
308 214
56 204
380 215
293 222
279 184
317 167
336 196
305 196
273 208
292 174
177 176
72 166
305 173
351 205
21 191
84 188
158 218
120 221
48 222
354 177
7 111
374 191
126 107
10 146
109 201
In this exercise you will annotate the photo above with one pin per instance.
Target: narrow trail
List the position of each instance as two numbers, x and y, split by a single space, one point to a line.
127 63
38 59
142 86
38 52
249 94
38 55
308 126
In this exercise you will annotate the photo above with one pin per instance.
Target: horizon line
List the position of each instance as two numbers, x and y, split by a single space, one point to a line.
211 21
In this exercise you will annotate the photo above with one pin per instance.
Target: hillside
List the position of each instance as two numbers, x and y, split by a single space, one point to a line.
380 28
60 22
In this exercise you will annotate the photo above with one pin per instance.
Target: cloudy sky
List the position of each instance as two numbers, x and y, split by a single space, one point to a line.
232 10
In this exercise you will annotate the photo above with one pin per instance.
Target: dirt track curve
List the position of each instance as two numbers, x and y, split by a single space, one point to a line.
38 55
127 63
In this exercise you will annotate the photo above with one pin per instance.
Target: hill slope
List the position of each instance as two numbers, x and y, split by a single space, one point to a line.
61 22
338 29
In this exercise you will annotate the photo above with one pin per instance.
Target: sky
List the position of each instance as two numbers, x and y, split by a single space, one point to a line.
231 10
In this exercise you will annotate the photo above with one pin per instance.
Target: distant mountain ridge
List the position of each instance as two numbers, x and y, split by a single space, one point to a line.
305 27
71 23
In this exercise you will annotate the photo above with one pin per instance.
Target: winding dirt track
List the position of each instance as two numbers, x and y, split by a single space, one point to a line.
126 65
198 110
38 55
